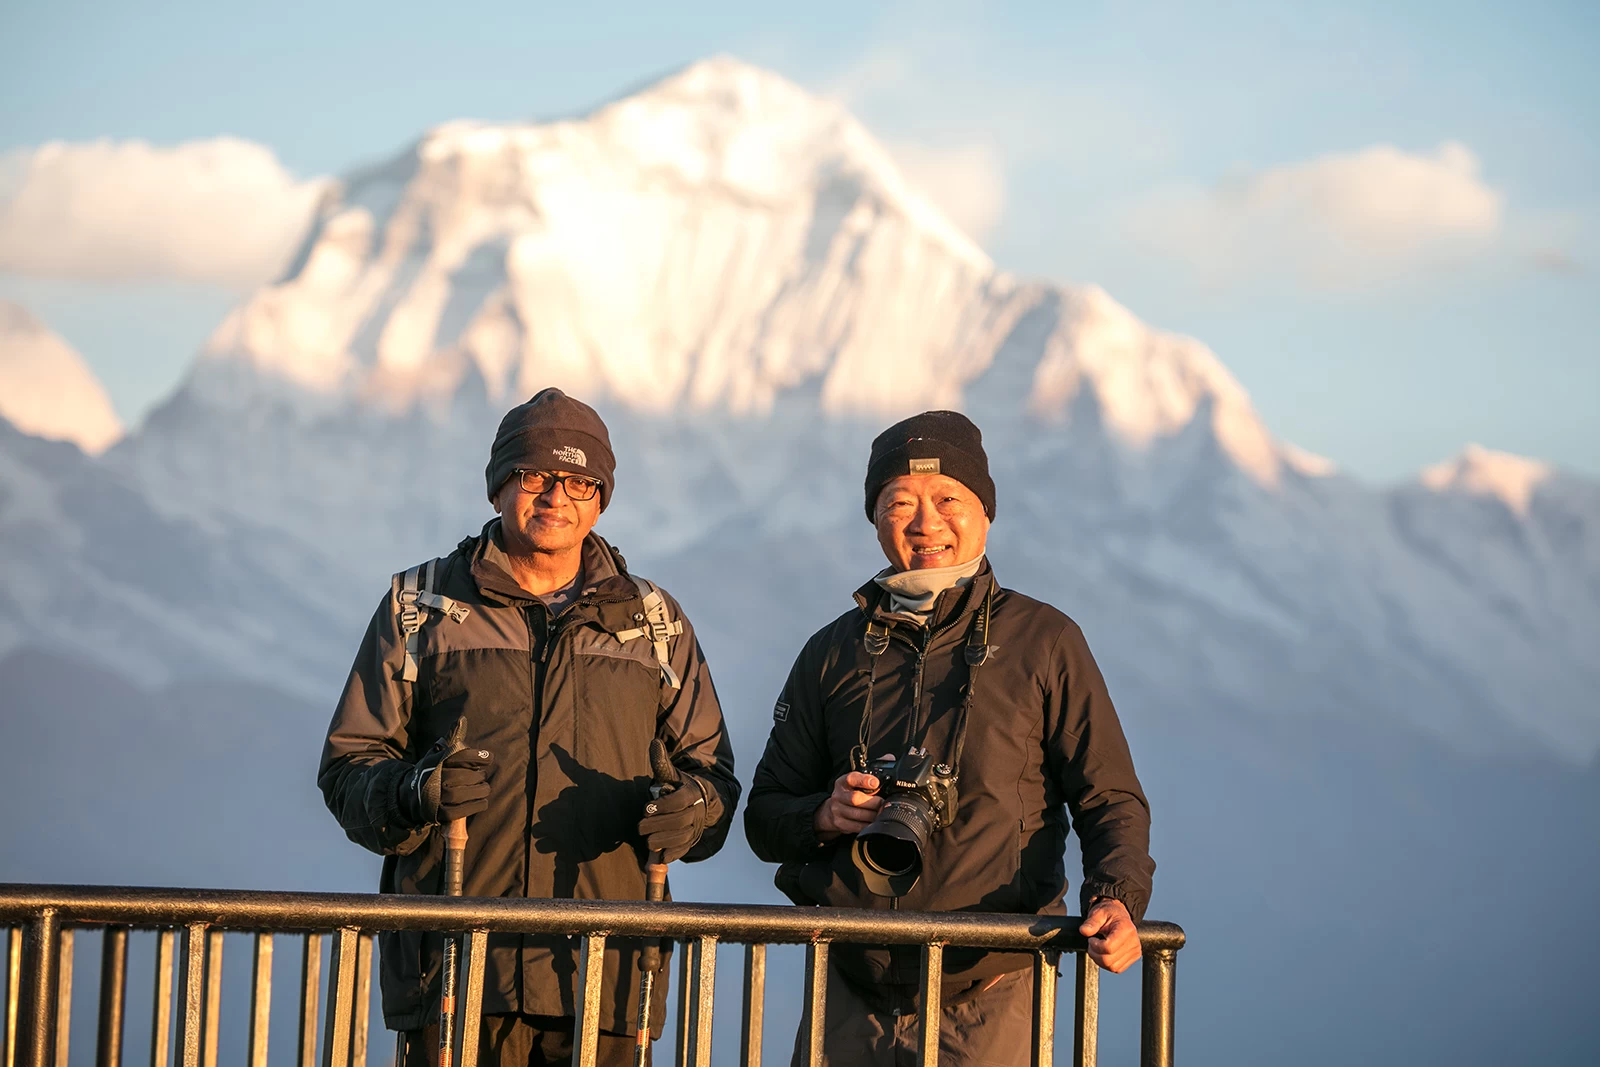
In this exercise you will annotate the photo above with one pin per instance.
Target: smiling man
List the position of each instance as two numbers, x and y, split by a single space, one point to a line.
564 667
930 750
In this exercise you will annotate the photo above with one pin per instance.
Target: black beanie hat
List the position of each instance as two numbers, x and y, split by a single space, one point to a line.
552 431
935 442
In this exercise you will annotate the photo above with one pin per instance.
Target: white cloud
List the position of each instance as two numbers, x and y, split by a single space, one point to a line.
967 182
1334 219
222 211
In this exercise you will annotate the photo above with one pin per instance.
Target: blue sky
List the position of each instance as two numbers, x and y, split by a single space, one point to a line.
1181 155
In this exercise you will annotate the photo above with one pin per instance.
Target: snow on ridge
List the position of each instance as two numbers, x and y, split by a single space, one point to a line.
46 388
1507 477
1308 464
1149 383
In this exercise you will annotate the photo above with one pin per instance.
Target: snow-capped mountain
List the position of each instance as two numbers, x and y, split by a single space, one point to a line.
733 271
46 389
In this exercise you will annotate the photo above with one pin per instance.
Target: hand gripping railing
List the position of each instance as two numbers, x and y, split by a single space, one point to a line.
190 924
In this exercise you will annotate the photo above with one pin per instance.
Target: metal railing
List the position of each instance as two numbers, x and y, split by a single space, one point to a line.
190 926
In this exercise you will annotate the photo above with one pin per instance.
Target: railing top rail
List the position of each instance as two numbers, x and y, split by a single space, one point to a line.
741 923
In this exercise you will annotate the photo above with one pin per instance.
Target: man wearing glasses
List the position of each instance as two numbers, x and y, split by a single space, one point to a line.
563 668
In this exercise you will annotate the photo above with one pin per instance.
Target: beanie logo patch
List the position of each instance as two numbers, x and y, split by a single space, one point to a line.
924 466
570 454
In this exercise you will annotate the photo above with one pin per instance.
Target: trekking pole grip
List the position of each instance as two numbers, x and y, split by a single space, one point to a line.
455 844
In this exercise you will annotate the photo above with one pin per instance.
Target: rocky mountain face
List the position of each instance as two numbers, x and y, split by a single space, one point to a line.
1337 695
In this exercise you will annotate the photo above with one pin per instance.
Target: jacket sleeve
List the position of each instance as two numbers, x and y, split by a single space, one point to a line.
691 724
795 774
364 757
1089 759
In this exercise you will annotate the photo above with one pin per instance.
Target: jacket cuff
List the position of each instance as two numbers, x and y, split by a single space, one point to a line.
1131 898
396 832
716 803
803 832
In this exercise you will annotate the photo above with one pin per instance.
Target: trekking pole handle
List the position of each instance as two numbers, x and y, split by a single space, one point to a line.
656 879
455 843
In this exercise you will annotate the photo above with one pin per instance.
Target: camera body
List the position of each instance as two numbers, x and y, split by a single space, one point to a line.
919 799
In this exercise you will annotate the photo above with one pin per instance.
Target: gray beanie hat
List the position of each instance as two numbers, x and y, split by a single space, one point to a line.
552 431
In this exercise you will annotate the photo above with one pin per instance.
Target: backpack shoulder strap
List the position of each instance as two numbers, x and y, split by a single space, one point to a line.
415 599
657 627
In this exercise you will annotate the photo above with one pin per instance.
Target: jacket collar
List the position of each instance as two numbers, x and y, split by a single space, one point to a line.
605 575
949 607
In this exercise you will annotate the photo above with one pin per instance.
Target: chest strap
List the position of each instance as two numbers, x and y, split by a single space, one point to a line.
657 628
414 602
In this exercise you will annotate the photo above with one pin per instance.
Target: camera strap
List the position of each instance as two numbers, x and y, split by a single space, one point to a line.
876 641
978 651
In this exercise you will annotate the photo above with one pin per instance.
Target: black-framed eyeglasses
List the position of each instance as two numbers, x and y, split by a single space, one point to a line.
576 486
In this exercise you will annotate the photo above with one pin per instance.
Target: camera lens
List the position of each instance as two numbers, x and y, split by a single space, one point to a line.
888 853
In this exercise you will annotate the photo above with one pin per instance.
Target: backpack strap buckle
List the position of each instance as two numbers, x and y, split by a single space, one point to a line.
415 598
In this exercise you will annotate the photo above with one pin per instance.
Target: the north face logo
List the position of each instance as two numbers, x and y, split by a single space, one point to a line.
570 454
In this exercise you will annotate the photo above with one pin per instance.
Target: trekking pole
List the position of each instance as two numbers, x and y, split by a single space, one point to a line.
455 847
666 780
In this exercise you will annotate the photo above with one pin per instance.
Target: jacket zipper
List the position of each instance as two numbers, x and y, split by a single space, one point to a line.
915 725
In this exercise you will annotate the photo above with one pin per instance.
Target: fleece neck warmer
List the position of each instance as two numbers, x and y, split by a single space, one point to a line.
913 592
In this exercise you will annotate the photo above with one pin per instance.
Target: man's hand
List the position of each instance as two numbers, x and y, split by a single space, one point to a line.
1113 939
850 808
673 823
446 785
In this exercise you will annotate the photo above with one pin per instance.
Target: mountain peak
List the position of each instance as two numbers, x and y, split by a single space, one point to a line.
710 242
46 389
1507 477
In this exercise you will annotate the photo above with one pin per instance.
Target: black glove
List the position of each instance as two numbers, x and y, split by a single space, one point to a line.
674 822
449 782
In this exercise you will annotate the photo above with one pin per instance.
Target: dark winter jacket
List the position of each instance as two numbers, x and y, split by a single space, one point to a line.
1042 741
568 711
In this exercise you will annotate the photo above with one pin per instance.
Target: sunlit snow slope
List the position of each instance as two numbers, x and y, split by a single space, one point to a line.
46 389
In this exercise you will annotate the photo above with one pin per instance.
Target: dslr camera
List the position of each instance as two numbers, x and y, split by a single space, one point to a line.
919 798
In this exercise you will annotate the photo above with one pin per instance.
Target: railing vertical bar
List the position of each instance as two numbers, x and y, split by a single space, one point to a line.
64 996
36 1007
341 994
310 982
113 991
705 996
161 1008
1086 1012
362 1002
192 988
1044 1010
816 1007
931 1011
472 1008
586 1028
1156 1016
755 998
680 1054
13 988
260 999
211 1020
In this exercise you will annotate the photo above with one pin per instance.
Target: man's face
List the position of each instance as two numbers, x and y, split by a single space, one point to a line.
549 521
930 520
